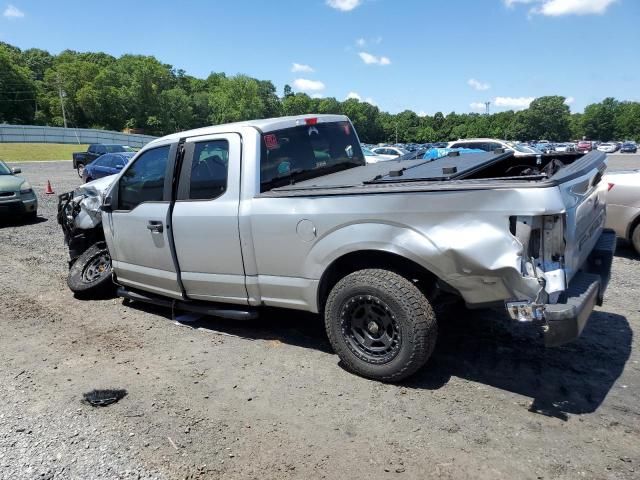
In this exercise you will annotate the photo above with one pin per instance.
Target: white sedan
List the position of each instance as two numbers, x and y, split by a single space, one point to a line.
389 153
607 147
371 157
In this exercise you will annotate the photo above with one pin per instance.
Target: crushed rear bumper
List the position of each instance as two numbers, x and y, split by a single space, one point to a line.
566 319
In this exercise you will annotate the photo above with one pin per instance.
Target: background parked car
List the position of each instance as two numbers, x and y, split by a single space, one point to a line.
564 147
108 164
17 198
584 146
371 157
491 144
623 205
82 159
629 147
389 153
607 147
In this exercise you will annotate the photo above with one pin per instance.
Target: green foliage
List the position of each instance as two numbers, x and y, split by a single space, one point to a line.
136 91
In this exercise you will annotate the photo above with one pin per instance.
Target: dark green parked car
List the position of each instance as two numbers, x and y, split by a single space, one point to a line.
17 198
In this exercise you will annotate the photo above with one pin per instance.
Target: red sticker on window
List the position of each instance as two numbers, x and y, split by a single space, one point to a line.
271 141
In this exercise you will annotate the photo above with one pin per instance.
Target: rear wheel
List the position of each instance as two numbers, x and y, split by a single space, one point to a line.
635 238
90 274
380 324
80 169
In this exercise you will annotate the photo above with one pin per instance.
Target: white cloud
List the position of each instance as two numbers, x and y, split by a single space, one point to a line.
511 3
557 8
569 100
373 60
513 102
301 67
344 5
477 106
362 42
305 85
356 96
13 12
317 95
422 113
478 85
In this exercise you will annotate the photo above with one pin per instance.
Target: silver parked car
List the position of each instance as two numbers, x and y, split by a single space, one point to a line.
623 205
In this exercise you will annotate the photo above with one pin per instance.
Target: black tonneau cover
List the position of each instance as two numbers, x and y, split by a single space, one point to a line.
445 168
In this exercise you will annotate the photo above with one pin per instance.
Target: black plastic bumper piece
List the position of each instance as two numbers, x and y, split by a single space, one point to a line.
567 319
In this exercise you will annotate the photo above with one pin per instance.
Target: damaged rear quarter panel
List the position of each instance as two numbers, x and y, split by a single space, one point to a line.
462 237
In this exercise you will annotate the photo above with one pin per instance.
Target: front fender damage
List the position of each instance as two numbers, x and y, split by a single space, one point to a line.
80 217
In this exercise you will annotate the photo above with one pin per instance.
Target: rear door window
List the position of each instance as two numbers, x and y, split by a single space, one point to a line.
209 170
307 151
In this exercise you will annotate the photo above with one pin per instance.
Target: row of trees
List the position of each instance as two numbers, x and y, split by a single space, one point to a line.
100 91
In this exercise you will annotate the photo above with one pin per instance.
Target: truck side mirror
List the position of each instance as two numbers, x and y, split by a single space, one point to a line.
15 171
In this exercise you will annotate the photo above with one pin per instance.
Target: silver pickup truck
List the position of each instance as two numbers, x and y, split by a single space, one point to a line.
286 213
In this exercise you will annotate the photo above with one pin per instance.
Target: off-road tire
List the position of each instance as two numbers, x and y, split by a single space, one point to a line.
98 287
635 238
409 308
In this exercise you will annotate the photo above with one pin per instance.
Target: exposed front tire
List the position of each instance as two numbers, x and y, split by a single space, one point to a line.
80 169
380 324
90 274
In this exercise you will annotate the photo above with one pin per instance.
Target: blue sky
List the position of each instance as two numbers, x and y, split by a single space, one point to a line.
424 55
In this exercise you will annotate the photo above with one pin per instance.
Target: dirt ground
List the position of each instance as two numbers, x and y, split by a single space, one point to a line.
268 399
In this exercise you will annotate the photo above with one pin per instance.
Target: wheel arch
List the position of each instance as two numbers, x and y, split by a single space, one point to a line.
371 258
632 226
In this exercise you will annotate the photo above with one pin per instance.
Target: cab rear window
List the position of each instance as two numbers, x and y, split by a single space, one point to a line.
307 151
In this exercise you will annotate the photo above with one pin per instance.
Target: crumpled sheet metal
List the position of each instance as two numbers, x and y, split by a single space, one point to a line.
89 197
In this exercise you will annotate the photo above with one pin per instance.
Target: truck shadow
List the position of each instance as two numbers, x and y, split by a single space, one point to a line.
626 250
486 347
482 346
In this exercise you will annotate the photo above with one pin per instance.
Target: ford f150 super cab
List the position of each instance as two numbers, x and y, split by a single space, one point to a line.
285 212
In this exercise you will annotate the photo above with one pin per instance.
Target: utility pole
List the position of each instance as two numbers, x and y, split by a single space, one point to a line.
64 116
396 133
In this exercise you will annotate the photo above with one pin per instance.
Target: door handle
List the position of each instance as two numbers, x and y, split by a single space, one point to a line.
155 227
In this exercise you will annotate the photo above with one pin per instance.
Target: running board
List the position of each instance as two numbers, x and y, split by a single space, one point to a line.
215 310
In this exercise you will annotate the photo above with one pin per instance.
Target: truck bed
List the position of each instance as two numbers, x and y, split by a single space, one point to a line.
466 171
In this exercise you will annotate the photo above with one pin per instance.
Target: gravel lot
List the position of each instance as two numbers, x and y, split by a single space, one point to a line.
267 399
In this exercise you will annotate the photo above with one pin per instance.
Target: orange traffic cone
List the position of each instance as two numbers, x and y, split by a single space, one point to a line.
49 190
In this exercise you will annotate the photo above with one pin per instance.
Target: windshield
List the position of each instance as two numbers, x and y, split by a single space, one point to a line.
4 170
307 151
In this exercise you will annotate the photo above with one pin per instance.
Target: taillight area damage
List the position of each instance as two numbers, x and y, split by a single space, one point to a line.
563 303
543 247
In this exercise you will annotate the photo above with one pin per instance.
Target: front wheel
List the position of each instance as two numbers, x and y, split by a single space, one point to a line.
380 324
90 274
